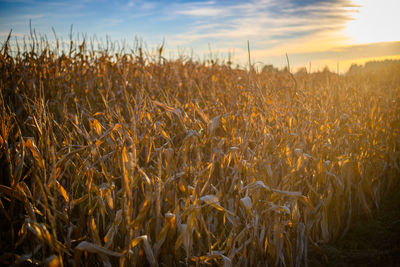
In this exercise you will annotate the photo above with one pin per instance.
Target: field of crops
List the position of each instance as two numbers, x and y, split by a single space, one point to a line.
113 157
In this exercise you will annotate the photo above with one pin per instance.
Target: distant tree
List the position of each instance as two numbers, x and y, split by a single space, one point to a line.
354 68
269 68
326 69
301 71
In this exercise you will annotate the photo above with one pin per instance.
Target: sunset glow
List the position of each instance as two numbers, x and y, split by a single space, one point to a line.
199 133
322 32
375 21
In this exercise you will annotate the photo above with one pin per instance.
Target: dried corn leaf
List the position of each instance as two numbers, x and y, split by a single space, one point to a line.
35 152
147 249
53 261
246 202
94 248
210 199
62 191
97 126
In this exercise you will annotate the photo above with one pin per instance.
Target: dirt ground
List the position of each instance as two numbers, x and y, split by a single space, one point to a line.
370 242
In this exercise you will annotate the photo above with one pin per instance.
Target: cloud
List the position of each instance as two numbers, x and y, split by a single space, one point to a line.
113 21
201 12
308 30
273 27
259 20
5 34
139 4
32 16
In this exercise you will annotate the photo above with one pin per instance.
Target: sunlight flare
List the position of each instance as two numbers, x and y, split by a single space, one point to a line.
375 21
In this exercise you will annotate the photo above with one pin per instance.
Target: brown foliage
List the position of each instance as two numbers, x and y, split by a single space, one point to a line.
125 159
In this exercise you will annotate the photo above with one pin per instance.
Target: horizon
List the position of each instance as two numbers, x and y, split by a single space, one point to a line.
333 34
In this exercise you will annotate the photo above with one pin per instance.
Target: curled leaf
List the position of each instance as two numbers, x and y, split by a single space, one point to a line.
94 248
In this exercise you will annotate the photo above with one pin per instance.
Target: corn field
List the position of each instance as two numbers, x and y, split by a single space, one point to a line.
113 157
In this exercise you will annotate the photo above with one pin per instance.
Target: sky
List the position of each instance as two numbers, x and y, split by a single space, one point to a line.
314 33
